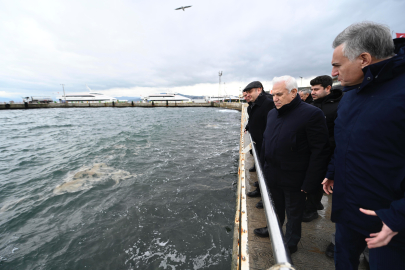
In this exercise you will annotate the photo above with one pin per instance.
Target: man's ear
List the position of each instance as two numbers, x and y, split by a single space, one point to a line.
365 59
328 88
294 91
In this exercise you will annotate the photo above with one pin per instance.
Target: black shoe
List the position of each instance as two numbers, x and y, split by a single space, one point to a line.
307 217
293 249
256 184
254 193
253 169
319 206
262 232
330 251
259 205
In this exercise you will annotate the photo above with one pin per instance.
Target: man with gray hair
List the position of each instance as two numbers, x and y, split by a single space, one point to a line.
305 95
367 172
295 153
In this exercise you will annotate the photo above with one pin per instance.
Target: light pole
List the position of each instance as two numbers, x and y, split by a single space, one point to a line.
63 87
219 86
226 94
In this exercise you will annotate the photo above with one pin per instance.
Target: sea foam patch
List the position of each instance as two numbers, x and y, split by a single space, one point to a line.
87 177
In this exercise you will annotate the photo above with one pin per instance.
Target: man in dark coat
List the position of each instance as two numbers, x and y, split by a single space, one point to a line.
246 98
326 99
259 105
294 152
305 95
367 171
257 110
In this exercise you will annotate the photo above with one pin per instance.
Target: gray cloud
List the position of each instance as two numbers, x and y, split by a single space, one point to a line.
128 44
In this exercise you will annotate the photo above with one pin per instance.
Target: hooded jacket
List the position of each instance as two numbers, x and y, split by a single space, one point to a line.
368 166
329 105
295 147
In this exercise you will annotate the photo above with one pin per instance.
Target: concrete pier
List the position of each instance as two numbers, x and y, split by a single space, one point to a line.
19 106
316 235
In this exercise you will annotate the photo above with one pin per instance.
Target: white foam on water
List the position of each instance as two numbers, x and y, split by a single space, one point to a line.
167 254
162 244
170 258
119 146
87 177
208 259
212 126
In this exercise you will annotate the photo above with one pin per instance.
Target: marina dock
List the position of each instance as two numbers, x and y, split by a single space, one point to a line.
23 106
253 252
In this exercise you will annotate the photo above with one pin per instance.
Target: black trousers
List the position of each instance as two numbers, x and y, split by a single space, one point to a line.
291 203
350 244
313 199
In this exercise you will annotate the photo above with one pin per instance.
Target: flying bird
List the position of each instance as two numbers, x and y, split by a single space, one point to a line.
183 8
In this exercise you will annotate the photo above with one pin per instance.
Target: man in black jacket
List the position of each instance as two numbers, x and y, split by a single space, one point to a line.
295 155
305 95
326 99
257 110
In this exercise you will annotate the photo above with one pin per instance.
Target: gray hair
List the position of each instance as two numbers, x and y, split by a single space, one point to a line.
290 82
369 37
305 90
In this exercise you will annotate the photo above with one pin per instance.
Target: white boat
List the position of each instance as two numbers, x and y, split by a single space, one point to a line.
166 97
91 97
222 99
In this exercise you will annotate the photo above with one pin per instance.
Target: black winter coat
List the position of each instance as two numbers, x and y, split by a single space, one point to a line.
295 147
309 99
268 95
369 160
258 111
329 105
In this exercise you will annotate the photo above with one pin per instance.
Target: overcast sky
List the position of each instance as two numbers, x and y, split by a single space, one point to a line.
136 47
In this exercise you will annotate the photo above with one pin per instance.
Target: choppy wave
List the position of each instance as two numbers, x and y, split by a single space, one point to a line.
128 188
170 258
11 204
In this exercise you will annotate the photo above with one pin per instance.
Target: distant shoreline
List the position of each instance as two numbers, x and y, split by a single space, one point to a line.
22 106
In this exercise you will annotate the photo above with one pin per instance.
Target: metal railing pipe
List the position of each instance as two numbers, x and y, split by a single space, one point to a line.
281 254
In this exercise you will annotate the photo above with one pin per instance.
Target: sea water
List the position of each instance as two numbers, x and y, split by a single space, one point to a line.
117 188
